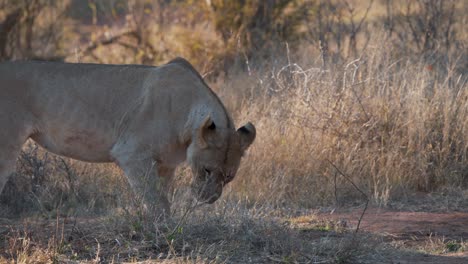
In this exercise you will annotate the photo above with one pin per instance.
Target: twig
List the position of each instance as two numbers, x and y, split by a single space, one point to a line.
73 228
336 195
356 64
108 41
357 188
362 215
97 259
170 237
184 217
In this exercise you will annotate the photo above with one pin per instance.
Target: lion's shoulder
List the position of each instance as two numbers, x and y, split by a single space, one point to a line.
186 65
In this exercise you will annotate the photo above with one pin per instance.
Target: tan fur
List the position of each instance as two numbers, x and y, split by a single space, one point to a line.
146 119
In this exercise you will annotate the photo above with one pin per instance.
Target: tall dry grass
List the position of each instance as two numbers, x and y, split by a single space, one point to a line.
393 125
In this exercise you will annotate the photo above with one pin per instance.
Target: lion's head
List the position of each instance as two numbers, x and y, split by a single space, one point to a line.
214 156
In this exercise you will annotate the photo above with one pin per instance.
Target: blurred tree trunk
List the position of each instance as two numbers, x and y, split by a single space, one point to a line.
6 28
20 35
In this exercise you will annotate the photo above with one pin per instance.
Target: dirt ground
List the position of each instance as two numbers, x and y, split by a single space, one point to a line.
403 237
419 231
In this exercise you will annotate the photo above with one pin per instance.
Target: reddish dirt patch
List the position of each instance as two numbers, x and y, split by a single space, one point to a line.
412 229
450 225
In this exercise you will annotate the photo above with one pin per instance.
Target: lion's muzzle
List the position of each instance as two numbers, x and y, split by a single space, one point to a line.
207 191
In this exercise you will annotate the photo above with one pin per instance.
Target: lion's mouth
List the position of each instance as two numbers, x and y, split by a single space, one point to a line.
204 195
211 199
203 198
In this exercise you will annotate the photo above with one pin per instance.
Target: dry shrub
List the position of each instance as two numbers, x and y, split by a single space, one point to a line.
55 185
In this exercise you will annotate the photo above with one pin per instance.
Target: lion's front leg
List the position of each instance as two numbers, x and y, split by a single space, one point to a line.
142 173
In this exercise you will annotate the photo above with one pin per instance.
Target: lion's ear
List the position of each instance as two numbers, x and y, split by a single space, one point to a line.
207 126
247 135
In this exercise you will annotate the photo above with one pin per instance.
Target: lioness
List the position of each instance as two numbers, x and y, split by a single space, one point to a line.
146 119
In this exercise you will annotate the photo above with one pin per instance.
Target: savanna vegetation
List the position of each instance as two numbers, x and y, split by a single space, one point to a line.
356 103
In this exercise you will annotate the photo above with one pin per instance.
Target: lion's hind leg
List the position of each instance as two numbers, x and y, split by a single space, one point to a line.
12 139
9 151
7 168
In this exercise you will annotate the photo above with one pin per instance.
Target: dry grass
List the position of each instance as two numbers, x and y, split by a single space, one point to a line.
48 184
228 233
394 126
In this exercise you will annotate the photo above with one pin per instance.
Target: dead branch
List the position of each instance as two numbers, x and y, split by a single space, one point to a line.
104 42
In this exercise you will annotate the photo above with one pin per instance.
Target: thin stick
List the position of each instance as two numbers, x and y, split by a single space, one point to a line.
357 188
362 216
336 194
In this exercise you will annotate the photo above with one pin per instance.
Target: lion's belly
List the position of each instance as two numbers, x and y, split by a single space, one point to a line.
72 125
82 145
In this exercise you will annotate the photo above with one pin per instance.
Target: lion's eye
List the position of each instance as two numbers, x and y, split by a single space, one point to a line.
207 171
